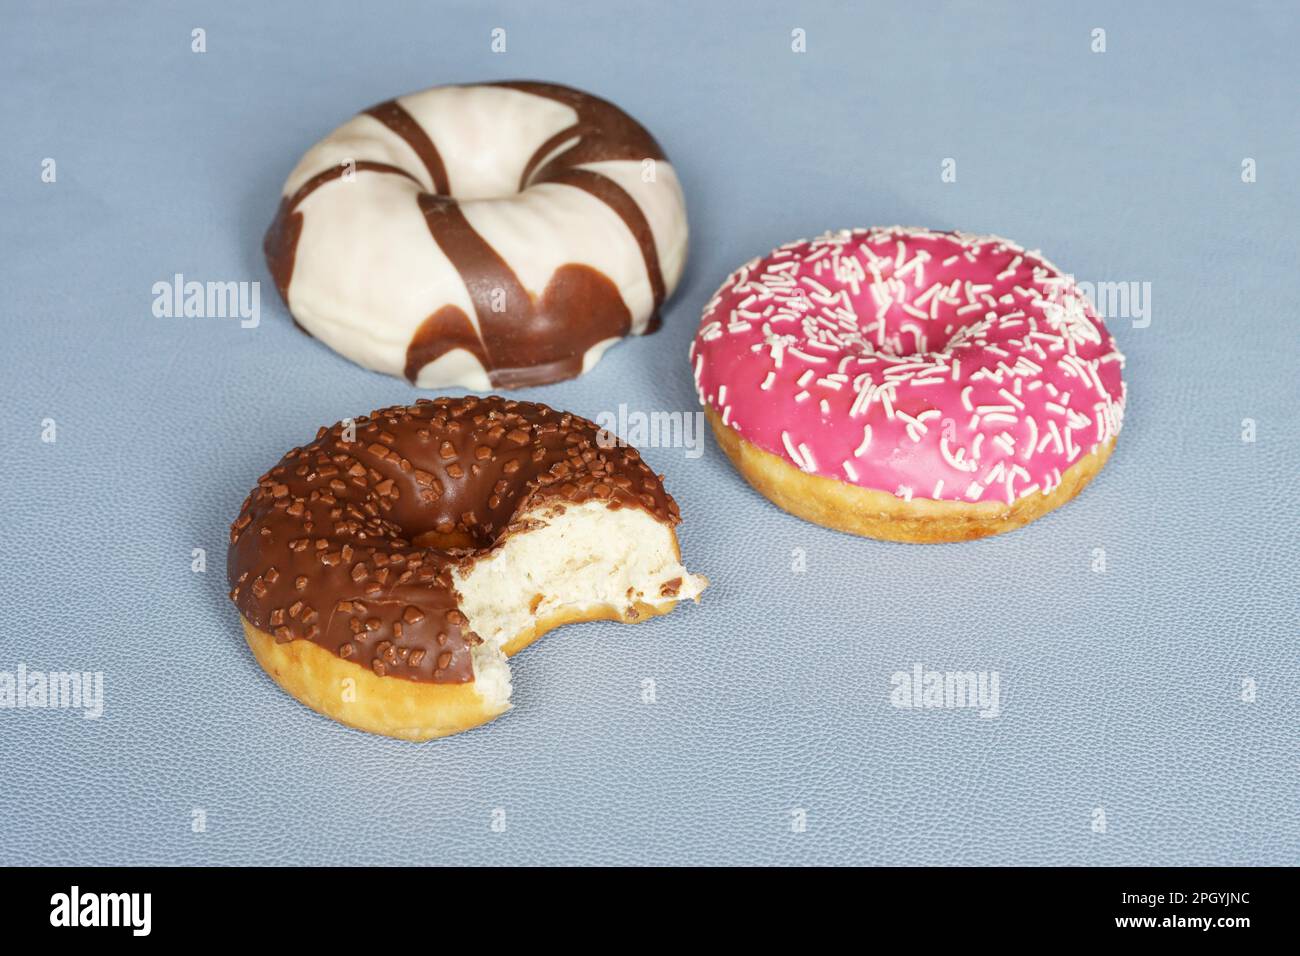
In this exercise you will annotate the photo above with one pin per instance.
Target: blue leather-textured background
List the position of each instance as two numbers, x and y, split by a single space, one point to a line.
771 738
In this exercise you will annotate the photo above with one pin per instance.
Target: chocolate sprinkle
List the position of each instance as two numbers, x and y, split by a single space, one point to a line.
363 567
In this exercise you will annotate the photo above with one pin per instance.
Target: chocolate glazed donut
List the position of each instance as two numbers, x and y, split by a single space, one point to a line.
588 283
410 550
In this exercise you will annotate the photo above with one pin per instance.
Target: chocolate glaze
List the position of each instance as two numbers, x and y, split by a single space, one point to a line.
526 342
324 548
529 343
448 328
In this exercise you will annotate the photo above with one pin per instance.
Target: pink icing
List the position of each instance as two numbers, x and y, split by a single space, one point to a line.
924 364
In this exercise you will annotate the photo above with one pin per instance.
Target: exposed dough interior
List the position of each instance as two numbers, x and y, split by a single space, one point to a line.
585 562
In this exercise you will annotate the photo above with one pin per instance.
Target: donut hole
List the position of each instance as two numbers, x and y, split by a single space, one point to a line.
912 299
482 134
492 175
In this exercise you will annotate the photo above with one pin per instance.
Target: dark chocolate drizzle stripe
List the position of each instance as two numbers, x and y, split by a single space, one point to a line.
395 116
488 278
447 329
617 198
324 547
614 134
603 133
527 342
542 152
338 172
281 243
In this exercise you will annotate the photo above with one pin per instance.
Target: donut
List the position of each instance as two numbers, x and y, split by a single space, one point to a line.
498 235
384 571
909 385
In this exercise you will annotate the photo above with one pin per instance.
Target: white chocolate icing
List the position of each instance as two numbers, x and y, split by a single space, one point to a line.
357 252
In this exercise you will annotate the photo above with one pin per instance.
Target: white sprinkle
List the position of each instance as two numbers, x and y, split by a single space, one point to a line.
929 293
814 283
866 442
913 423
1011 398
955 460
767 382
805 356
1077 420
1056 437
792 451
850 470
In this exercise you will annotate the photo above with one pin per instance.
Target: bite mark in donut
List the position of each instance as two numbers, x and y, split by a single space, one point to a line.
367 274
908 384
446 535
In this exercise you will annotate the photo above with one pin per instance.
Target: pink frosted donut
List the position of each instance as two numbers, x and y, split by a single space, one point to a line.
908 384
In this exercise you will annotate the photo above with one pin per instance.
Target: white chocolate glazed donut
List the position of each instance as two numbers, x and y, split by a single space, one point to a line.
489 236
